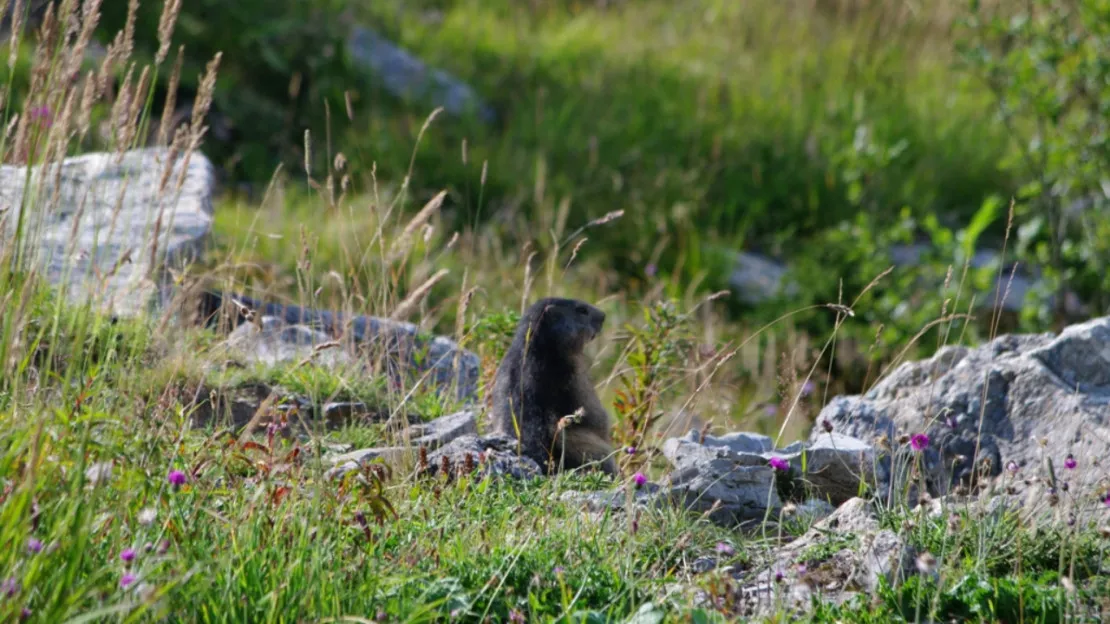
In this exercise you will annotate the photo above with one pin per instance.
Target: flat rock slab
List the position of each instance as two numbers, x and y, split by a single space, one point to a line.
1019 398
104 226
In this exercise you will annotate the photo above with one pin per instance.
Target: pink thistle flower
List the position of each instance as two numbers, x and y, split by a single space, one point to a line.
919 441
34 546
779 464
725 549
126 580
177 478
128 555
639 479
1070 462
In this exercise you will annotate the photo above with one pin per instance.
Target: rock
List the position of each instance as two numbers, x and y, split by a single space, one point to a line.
445 429
291 333
103 227
407 77
844 554
650 494
491 455
757 278
353 461
731 474
1036 394
737 487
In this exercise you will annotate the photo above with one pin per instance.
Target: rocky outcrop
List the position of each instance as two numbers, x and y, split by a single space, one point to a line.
1019 398
103 227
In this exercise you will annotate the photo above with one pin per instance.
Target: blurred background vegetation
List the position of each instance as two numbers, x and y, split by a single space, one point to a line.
818 133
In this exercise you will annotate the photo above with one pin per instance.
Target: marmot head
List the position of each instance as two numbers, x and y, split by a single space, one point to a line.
565 325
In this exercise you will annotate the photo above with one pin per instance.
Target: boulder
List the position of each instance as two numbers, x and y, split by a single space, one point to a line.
1019 398
731 478
103 227
407 77
494 455
285 333
845 554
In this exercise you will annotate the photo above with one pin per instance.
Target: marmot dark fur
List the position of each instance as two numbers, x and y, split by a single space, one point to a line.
544 378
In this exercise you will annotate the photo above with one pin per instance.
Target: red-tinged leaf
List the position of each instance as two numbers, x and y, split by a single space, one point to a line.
279 493
252 445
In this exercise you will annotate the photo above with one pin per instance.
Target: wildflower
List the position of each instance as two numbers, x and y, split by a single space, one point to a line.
25 613
919 441
147 516
380 616
516 616
770 409
640 479
650 270
558 570
41 114
725 549
126 580
1070 462
10 587
779 463
807 388
826 425
176 478
779 576
801 569
163 547
1012 467
34 546
630 450
128 555
1064 486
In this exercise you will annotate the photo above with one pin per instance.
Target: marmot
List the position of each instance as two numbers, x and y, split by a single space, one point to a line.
544 378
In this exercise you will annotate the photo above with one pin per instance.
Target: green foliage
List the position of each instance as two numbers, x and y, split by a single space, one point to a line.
281 61
1045 62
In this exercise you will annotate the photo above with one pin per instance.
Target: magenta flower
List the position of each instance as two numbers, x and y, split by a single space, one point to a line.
41 114
128 555
808 387
725 549
127 579
176 478
558 570
1070 462
630 450
1013 467
34 546
779 464
640 479
10 587
516 616
919 441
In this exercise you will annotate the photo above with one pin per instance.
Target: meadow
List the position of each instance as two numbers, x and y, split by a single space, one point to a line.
636 145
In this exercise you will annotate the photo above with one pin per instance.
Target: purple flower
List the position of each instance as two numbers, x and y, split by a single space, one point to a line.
725 549
807 388
1013 467
558 570
10 587
770 409
779 464
42 114
779 576
639 479
919 441
801 569
128 555
163 547
34 546
630 450
127 579
516 616
176 478
650 270
1070 462
25 613
827 425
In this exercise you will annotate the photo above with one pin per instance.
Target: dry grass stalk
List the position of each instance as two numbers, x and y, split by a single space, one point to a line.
171 99
403 242
166 24
410 303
